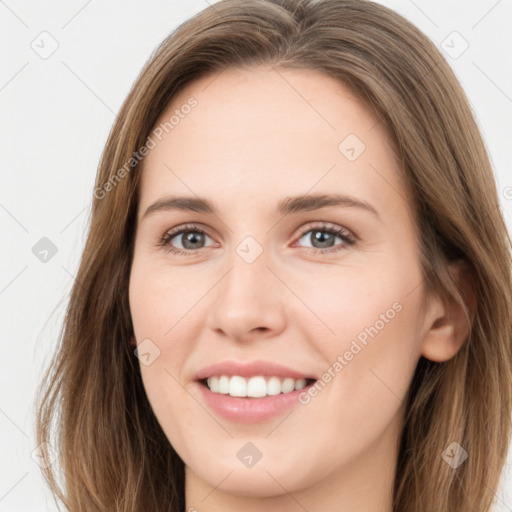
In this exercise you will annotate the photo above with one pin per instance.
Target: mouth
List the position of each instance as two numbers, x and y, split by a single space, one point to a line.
251 392
258 386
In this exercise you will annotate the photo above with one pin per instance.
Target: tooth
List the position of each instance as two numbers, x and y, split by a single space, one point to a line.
237 386
300 383
288 385
273 386
256 387
213 384
224 384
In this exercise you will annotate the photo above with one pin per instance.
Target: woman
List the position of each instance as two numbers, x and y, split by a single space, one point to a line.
295 292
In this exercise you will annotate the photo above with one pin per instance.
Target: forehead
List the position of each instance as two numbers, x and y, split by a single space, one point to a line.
267 132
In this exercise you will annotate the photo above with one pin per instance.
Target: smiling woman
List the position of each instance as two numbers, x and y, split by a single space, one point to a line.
299 298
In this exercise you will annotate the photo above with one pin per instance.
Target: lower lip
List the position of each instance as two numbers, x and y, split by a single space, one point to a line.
250 410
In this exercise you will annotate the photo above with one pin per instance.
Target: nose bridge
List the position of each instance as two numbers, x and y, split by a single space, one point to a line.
247 298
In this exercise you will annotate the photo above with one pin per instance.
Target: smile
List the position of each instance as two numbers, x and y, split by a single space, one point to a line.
254 387
251 391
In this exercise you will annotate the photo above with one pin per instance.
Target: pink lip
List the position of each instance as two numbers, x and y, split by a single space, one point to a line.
252 369
249 410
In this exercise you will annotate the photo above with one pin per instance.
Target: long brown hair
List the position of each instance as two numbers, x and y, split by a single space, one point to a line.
92 407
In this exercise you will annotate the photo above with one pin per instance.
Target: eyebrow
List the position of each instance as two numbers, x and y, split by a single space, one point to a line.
286 206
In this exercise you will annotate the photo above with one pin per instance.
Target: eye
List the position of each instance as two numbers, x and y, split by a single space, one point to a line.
189 239
323 237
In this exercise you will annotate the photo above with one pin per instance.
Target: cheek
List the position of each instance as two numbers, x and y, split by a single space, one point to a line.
158 308
166 305
355 302
161 295
160 313
365 325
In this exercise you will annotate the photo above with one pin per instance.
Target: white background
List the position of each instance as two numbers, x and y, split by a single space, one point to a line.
56 114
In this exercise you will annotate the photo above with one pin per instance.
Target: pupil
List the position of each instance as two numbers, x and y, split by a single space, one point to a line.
192 237
322 237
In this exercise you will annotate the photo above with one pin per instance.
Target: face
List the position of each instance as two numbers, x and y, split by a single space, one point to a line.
291 274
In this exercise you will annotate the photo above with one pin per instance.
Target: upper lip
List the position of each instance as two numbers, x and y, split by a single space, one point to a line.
250 369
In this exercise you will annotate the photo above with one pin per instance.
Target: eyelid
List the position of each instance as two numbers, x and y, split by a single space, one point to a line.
189 226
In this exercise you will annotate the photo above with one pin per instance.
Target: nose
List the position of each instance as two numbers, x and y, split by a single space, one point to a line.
248 302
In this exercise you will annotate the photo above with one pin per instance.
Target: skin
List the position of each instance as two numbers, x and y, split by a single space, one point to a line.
255 137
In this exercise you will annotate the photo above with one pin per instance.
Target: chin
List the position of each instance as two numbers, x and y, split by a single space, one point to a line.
267 478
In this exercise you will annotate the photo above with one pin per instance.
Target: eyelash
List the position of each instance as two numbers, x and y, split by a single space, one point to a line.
344 234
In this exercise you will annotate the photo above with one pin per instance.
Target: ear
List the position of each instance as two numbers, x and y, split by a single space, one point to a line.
447 328
133 341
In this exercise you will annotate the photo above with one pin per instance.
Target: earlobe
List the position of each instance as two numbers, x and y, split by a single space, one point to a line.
447 327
